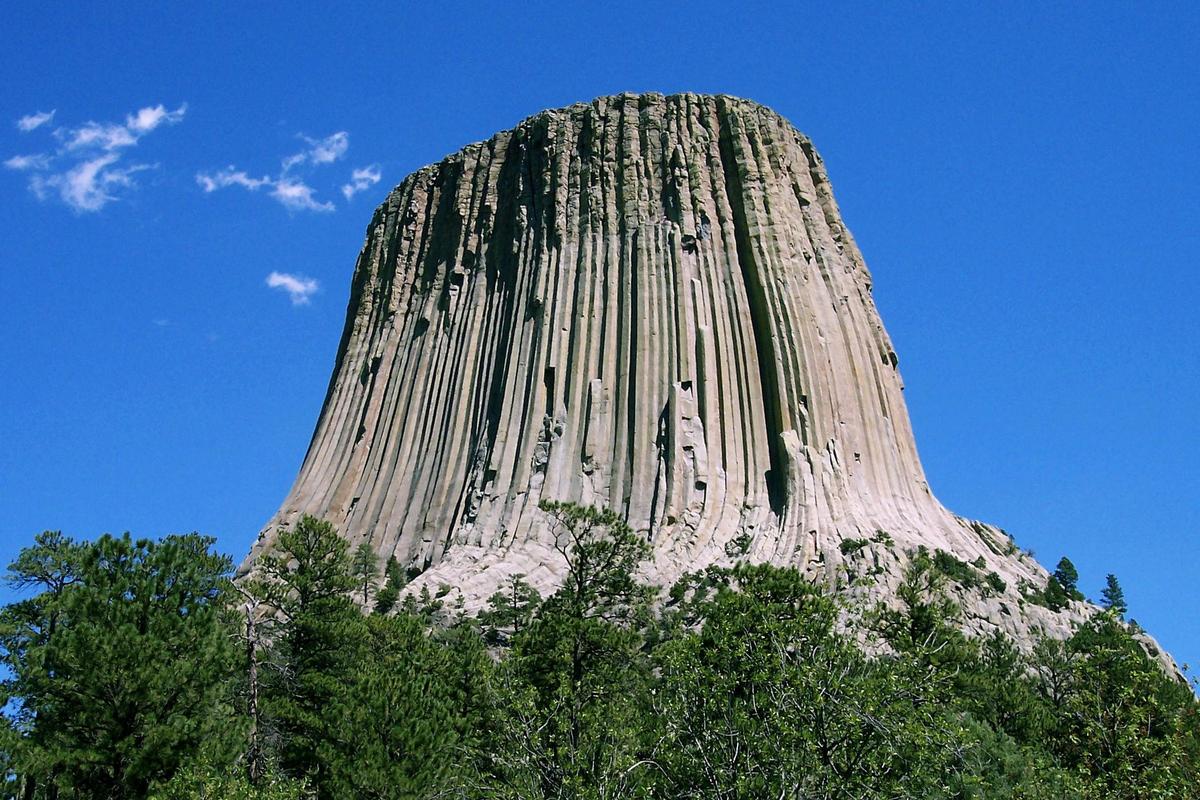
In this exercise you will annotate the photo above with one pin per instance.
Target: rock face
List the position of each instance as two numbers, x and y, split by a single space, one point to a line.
645 302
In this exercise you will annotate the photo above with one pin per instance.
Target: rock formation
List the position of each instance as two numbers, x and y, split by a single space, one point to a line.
645 302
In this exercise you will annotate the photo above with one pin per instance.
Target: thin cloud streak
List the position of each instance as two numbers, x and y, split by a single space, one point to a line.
31 122
361 179
298 287
147 119
89 185
35 161
114 136
230 176
290 191
320 151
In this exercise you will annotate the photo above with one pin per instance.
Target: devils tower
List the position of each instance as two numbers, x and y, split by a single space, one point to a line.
649 303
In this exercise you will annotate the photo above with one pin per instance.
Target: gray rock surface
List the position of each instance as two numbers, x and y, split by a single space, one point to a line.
644 302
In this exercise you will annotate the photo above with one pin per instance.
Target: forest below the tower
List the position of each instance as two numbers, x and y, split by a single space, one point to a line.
138 669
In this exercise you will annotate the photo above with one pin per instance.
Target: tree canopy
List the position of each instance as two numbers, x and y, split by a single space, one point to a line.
135 670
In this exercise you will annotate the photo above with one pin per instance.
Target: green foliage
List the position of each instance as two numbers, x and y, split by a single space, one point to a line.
738 545
1113 597
602 555
956 569
995 582
767 699
322 636
993 766
120 665
364 568
1054 597
395 578
309 567
1066 575
1127 728
394 727
924 625
995 691
126 682
569 718
203 781
850 546
509 611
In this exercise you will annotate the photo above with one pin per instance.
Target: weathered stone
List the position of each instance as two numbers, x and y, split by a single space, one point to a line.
649 303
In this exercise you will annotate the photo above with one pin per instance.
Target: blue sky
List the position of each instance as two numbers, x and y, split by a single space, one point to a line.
177 239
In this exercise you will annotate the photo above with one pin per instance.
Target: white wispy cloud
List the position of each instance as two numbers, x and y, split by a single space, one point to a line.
113 135
360 179
320 151
102 136
299 288
293 193
35 161
85 171
289 190
230 176
298 196
31 122
89 185
147 119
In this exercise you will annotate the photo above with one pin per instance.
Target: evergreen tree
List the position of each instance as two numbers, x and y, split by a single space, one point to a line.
396 727
509 611
924 625
1067 576
122 665
322 635
309 566
395 579
1054 596
602 555
121 681
1113 598
1000 693
365 569
572 695
1126 727
49 566
208 781
767 699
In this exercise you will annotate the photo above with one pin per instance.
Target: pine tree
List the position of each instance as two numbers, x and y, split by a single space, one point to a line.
394 726
123 665
924 624
573 690
1126 725
509 610
1067 576
395 579
761 696
51 565
1054 595
365 569
310 566
1113 598
321 637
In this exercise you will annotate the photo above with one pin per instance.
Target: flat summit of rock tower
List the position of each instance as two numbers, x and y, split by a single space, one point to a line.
645 302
